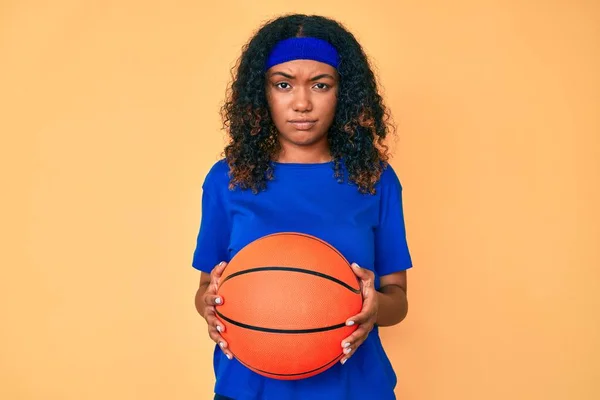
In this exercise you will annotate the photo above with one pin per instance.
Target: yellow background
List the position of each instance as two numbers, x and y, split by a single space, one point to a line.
109 121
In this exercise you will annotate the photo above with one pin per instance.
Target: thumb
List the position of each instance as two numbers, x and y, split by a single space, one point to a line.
220 268
361 272
215 275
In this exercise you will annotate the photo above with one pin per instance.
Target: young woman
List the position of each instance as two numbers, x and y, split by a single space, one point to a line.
306 154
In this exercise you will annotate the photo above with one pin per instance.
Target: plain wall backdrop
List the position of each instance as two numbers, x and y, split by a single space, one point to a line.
109 122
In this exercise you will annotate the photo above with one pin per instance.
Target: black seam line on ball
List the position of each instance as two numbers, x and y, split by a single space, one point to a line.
292 269
296 374
272 330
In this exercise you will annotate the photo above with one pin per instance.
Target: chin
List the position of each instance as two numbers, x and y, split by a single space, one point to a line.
303 138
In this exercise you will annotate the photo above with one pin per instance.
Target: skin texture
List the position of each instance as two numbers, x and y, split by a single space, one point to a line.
302 90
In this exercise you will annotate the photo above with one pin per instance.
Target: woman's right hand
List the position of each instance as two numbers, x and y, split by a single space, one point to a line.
211 300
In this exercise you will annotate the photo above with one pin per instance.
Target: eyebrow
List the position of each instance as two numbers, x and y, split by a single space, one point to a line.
316 78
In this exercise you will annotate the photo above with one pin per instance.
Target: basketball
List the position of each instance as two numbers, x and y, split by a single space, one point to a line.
287 297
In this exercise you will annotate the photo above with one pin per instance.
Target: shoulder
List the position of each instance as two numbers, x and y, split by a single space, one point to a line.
217 176
389 179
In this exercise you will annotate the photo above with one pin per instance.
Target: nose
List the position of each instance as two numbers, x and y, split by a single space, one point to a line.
302 101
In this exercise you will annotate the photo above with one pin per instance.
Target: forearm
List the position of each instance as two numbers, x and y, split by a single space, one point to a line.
393 305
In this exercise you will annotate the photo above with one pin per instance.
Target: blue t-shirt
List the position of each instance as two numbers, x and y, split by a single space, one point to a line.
366 229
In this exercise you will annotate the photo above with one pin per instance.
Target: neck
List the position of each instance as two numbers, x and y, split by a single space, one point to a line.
303 155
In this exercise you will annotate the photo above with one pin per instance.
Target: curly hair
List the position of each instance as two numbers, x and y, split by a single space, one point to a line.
361 122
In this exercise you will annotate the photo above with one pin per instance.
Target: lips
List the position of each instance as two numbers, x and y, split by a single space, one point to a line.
303 124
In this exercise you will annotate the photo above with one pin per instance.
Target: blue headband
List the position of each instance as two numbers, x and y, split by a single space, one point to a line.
303 48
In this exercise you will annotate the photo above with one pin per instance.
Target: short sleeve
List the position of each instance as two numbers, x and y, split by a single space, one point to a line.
391 247
212 242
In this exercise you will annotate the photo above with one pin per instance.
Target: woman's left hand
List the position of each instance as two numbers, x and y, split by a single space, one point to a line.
367 316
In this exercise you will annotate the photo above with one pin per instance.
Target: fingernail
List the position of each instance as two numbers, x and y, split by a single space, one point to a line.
347 350
221 263
346 345
222 345
228 355
219 328
343 361
355 265
218 300
350 323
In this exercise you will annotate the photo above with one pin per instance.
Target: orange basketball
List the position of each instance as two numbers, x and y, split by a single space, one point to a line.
287 297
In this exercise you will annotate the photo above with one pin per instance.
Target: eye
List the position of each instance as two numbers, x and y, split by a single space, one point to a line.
282 85
322 86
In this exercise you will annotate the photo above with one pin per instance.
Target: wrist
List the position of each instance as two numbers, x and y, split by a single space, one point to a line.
199 301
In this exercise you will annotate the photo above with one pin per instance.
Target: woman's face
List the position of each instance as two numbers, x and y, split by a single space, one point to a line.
302 96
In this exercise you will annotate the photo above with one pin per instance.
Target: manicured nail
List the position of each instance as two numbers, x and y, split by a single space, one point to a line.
228 355
347 350
346 345
221 263
219 328
218 300
222 345
350 323
343 361
355 265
